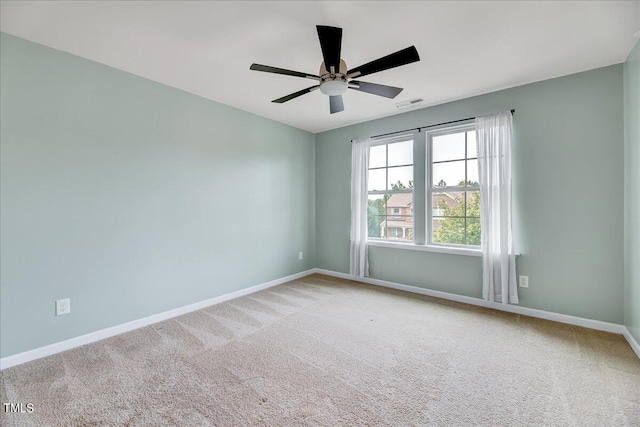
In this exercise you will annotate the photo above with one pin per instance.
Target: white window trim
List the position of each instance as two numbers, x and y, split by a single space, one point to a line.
386 141
461 250
417 244
464 127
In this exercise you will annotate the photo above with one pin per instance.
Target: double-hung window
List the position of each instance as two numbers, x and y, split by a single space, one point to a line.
441 208
453 199
390 204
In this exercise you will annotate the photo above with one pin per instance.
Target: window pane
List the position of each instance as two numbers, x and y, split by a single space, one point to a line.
400 177
376 204
399 228
378 156
399 225
472 172
455 215
374 226
400 204
473 204
377 180
472 149
401 153
473 231
448 174
375 214
448 203
448 230
390 216
448 147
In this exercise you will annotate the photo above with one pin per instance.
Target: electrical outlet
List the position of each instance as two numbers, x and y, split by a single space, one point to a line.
524 281
63 306
300 255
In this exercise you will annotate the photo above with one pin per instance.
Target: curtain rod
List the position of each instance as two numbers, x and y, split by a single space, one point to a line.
426 127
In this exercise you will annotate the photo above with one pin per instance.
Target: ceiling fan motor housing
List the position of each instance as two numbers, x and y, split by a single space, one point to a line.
335 83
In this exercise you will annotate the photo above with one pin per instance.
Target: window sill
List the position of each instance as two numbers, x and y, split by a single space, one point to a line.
426 248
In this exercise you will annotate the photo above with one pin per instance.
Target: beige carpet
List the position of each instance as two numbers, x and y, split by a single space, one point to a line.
323 351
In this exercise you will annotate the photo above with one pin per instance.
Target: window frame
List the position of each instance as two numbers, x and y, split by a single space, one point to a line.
429 187
386 141
421 220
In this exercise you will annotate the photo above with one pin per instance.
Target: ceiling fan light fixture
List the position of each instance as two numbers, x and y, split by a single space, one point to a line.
333 87
335 80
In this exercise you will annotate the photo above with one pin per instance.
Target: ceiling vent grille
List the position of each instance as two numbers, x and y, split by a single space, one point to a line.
409 104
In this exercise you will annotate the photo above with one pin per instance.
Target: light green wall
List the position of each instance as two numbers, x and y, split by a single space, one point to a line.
568 174
132 198
632 192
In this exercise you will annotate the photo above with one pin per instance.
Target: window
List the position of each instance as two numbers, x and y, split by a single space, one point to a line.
446 212
390 204
453 190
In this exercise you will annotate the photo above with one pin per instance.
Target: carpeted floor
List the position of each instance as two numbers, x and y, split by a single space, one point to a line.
324 351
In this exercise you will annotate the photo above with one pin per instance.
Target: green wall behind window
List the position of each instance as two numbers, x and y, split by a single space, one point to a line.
568 180
632 191
133 198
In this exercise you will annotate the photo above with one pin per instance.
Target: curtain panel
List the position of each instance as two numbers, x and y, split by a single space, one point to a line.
494 137
358 252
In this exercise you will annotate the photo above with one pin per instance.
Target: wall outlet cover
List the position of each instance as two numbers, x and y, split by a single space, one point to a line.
524 281
300 255
63 306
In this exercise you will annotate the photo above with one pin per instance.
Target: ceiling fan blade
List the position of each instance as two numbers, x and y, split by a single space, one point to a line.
268 69
335 104
295 95
396 59
376 89
331 44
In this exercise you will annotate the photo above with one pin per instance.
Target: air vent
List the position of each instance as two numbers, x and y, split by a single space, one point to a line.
409 104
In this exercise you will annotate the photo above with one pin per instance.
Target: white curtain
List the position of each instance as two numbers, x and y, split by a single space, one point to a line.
358 252
494 134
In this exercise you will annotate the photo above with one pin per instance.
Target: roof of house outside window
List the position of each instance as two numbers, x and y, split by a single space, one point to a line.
399 200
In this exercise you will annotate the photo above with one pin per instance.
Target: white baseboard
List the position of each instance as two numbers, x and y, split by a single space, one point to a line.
556 317
27 356
632 341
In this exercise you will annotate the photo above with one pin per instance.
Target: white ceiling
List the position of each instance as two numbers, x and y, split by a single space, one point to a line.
206 48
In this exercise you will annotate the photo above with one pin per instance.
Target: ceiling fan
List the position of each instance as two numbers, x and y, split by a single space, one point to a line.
335 78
